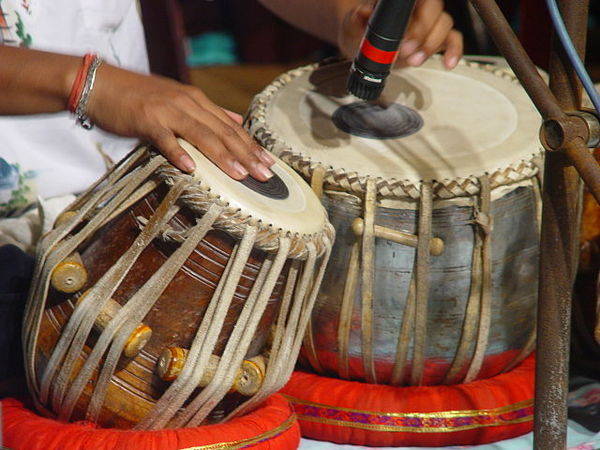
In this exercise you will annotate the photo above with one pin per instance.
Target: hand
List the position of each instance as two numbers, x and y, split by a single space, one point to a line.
159 110
429 31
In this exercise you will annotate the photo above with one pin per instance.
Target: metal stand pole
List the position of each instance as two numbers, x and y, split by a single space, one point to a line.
559 250
566 140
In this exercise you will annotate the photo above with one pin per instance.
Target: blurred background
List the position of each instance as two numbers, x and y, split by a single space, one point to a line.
233 48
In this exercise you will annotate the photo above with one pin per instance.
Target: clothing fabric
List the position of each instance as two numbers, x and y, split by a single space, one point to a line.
49 155
25 230
15 278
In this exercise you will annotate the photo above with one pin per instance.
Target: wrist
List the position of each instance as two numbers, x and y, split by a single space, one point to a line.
68 79
82 88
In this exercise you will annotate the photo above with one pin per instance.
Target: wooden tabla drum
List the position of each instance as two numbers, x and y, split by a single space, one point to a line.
165 299
434 196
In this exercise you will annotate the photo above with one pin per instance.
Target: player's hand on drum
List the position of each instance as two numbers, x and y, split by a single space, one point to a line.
430 31
159 110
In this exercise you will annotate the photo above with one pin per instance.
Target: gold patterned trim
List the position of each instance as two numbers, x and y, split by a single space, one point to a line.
250 441
433 415
398 429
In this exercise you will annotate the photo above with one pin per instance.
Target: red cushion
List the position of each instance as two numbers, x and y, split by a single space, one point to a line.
349 412
272 426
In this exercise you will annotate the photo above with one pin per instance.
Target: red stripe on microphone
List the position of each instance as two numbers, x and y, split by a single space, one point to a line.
374 54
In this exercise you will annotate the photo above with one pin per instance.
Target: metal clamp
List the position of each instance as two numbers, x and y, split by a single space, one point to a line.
593 125
583 124
436 246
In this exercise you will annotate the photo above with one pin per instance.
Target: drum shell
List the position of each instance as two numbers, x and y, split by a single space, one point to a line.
515 241
175 317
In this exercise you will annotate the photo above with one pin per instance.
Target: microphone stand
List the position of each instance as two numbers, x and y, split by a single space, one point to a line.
565 135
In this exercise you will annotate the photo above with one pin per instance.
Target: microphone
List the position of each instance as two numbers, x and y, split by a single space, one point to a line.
378 50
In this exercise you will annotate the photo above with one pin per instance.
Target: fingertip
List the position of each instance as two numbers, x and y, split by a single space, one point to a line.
454 49
450 62
408 47
262 172
239 171
416 59
186 163
266 157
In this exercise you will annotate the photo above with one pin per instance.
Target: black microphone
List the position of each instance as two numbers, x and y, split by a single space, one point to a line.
379 47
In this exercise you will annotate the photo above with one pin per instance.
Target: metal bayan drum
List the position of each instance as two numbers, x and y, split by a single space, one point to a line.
164 299
434 197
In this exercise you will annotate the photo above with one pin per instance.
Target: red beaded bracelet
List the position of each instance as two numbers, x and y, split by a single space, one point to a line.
79 82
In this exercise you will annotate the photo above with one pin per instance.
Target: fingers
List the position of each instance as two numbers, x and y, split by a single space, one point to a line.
429 31
234 121
159 110
353 27
363 12
209 143
425 16
437 35
454 49
218 139
166 142
260 152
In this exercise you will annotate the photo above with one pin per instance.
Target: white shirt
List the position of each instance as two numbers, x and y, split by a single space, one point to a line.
49 155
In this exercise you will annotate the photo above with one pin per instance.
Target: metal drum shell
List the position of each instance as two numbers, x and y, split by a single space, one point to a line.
515 241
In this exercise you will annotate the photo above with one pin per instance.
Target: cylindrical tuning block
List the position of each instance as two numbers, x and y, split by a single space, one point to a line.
436 245
248 379
253 376
69 275
64 217
138 338
172 359
170 363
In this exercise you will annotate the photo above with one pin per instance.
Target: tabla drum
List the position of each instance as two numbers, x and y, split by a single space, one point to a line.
434 195
166 299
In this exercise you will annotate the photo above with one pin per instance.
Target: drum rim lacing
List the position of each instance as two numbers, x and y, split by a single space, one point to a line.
351 181
234 221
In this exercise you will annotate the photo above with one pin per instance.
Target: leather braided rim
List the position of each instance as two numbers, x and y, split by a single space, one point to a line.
256 123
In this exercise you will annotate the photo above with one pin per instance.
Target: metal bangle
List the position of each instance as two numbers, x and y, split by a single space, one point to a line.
81 110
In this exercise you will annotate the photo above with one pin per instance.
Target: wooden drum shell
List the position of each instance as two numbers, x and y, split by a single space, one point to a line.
174 318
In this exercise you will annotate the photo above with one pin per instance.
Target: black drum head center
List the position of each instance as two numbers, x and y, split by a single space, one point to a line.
273 188
375 121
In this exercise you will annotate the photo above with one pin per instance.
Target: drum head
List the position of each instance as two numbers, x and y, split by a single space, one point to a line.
285 202
430 124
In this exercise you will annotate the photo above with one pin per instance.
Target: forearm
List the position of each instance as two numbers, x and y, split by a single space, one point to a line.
321 18
34 82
